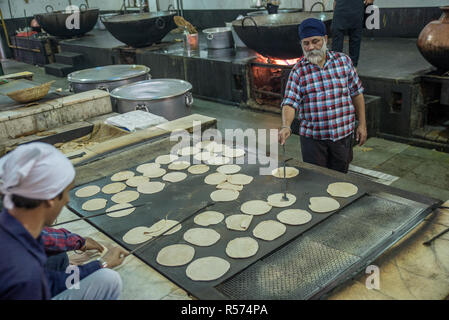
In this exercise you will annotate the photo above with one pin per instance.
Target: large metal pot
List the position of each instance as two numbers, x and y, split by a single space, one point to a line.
100 25
140 29
107 77
276 35
168 98
219 38
54 22
261 12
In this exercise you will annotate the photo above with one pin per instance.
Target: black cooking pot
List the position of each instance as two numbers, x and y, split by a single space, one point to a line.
276 35
54 22
140 29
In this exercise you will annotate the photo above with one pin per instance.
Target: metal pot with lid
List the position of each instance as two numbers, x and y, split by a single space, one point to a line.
219 38
168 98
107 77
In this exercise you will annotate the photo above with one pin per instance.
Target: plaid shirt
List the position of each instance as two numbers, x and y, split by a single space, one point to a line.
60 240
322 97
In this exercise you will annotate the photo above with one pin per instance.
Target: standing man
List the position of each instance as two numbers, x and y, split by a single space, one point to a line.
326 92
349 18
35 180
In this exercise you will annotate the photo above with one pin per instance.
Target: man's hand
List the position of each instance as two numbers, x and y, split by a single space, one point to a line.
91 244
283 135
361 135
369 2
115 256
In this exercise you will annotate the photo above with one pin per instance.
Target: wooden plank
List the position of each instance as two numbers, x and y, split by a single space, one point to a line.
19 75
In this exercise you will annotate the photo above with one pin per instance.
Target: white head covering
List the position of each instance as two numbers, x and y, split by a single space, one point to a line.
36 171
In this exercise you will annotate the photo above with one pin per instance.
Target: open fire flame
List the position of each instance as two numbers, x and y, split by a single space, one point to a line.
280 62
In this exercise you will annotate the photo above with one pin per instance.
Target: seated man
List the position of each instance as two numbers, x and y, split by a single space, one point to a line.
35 180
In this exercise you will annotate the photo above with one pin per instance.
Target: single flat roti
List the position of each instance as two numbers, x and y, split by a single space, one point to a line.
224 195
179 165
229 169
136 181
202 237
122 176
279 172
147 167
269 230
137 235
162 226
238 222
215 178
208 218
151 187
218 161
154 172
166 159
94 204
174 176
87 191
234 153
229 186
216 147
125 196
114 187
188 151
175 255
203 156
127 209
276 200
243 247
294 217
342 189
255 207
203 144
323 204
240 178
207 268
198 169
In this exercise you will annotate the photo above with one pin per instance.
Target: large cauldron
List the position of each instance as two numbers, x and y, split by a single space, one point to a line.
433 41
276 35
140 29
54 22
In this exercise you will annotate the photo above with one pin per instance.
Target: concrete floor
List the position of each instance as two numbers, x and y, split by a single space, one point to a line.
419 170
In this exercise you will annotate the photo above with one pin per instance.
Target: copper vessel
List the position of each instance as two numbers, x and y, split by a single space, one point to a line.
433 41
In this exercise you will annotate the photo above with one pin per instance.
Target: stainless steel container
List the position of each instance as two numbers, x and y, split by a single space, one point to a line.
168 98
107 77
219 38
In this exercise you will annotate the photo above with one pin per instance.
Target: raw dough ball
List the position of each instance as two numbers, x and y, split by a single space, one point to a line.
166 159
234 153
94 204
163 225
125 196
137 235
174 176
243 247
255 207
179 165
240 179
122 176
147 167
269 230
208 218
342 189
238 222
155 172
188 151
229 186
207 268
203 156
87 191
294 217
175 255
229 169
218 161
112 188
276 200
136 181
151 187
291 172
198 169
121 213
224 195
323 204
215 178
202 237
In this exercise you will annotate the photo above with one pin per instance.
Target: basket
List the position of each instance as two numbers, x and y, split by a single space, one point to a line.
31 94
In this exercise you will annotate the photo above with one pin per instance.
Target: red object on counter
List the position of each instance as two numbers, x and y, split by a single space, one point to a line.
26 34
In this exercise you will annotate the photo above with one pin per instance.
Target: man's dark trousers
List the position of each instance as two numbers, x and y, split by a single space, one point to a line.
355 40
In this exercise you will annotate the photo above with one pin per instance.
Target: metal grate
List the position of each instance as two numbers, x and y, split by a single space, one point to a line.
317 259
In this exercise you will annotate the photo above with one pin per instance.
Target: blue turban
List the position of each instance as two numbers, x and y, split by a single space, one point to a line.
311 27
